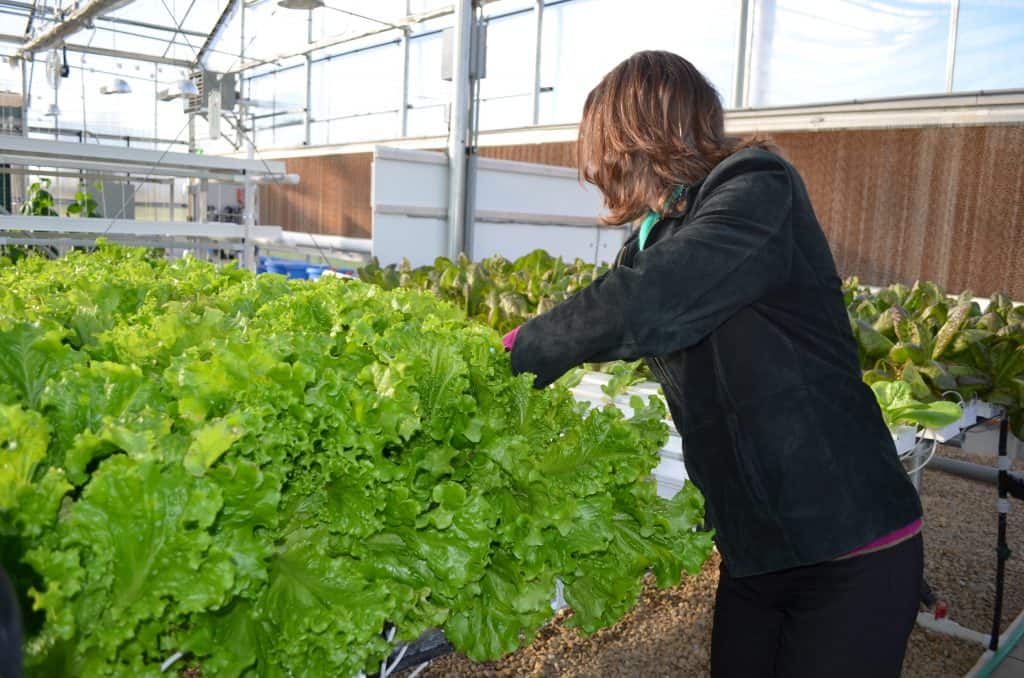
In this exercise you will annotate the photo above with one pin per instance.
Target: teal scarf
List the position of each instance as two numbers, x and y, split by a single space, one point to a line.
653 217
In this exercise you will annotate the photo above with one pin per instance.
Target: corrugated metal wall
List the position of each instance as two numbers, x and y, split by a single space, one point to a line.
332 196
943 204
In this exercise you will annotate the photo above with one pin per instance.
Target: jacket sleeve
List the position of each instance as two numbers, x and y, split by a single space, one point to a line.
736 248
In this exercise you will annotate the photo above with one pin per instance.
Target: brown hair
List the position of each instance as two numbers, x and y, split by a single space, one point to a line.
652 123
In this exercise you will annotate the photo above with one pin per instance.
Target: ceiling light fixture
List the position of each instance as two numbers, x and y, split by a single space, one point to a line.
301 4
181 88
116 86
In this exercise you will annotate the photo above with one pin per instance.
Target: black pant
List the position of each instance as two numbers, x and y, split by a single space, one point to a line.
843 618
10 630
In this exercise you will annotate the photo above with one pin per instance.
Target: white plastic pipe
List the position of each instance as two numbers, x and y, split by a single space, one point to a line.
951 628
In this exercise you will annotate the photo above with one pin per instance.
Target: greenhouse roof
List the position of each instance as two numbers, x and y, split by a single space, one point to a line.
186 32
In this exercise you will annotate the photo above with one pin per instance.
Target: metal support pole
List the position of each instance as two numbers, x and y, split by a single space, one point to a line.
26 93
954 21
249 200
56 110
404 114
740 84
538 15
308 119
201 201
1002 551
458 133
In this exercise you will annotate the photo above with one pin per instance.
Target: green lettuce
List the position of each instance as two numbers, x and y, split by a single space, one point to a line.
257 475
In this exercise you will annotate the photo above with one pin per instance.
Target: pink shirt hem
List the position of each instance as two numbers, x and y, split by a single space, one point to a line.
891 538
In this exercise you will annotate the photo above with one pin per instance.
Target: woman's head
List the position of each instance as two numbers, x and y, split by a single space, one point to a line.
652 123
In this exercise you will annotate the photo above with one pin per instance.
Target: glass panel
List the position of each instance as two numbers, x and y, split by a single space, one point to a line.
369 81
356 16
806 51
428 93
358 128
421 6
271 29
989 45
585 39
507 88
81 103
427 121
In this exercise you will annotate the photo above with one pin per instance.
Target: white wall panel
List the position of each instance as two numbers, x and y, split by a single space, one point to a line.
519 207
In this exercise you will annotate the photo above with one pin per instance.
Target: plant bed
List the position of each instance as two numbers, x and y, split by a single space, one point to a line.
251 474
669 632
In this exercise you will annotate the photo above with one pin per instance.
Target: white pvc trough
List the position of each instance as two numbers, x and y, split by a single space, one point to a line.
904 437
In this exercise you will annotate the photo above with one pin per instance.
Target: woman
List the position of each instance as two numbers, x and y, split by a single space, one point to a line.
730 293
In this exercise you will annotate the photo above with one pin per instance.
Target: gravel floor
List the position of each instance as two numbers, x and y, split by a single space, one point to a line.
669 632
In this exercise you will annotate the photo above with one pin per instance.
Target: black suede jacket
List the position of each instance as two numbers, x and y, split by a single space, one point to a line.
737 308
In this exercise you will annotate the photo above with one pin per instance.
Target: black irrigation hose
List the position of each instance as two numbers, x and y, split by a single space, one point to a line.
1002 551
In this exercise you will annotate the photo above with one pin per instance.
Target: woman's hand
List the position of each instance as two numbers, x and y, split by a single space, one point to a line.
509 340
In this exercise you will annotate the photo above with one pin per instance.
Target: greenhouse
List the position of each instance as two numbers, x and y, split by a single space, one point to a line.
589 338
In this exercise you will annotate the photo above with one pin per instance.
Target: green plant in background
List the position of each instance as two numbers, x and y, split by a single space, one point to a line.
500 293
937 343
40 202
899 406
84 205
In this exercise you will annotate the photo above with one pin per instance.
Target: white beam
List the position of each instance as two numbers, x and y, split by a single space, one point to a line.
131 159
334 40
69 25
102 51
104 226
458 136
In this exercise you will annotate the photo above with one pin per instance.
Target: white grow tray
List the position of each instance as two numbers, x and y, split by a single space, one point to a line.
904 437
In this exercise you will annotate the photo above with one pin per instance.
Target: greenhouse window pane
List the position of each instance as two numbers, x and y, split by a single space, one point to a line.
427 121
368 81
361 128
584 39
808 51
509 83
428 93
989 45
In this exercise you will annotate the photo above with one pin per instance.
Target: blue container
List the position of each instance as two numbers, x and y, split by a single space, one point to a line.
296 270
314 272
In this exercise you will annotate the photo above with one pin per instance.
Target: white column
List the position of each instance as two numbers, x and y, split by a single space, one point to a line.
954 21
538 13
458 134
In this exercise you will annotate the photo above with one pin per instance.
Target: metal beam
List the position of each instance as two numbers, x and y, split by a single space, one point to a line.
403 127
307 119
29 7
342 39
740 84
69 25
538 10
131 159
458 137
218 28
105 226
954 21
101 51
